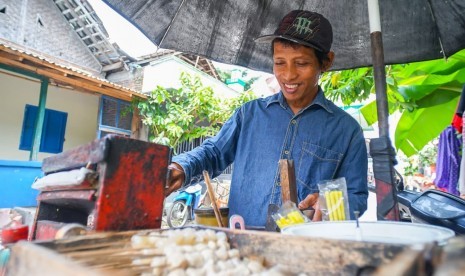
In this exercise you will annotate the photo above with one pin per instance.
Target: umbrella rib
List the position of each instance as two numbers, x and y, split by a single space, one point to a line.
169 26
437 28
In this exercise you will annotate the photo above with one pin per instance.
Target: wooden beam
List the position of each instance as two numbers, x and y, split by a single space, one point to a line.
48 70
79 82
136 124
113 66
20 71
12 54
212 69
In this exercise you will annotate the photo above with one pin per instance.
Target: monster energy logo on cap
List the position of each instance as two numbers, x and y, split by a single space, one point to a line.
302 25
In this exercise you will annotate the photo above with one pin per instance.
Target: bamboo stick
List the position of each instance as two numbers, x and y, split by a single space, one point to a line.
211 193
110 251
93 246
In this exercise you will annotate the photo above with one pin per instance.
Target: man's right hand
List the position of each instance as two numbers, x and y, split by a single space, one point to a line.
176 178
312 200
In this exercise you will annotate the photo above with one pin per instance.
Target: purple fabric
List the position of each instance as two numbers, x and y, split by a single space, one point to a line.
448 162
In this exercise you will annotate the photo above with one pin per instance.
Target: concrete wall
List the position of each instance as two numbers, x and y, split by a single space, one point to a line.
16 92
56 37
132 79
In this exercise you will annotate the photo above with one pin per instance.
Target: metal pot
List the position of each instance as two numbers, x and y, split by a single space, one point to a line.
379 231
206 216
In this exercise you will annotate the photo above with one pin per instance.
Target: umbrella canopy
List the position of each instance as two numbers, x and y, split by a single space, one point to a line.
225 30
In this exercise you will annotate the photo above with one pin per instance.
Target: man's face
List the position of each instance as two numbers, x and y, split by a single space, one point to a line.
297 70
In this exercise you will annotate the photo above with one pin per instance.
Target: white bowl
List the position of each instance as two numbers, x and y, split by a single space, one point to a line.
375 231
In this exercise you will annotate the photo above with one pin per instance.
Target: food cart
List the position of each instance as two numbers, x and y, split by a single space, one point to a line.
126 253
122 236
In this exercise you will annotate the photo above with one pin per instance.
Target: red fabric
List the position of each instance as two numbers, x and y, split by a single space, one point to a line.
457 122
442 189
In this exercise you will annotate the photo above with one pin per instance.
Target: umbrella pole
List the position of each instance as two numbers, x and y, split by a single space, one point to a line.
381 150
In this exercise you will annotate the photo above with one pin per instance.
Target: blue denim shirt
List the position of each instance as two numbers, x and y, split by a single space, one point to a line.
323 140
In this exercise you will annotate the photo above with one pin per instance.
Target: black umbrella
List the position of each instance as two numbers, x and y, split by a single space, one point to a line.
413 30
224 31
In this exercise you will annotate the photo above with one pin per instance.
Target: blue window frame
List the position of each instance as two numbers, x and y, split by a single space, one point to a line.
115 117
53 131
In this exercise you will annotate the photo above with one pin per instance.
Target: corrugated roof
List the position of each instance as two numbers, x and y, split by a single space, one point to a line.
88 26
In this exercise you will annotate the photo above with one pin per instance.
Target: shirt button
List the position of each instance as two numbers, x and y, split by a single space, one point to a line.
286 152
293 122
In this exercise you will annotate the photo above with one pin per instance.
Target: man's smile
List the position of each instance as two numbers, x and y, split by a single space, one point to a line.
290 88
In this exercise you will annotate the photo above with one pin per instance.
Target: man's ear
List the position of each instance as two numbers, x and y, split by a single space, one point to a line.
328 62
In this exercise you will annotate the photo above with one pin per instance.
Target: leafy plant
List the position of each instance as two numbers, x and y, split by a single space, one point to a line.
348 86
192 111
410 169
426 93
428 155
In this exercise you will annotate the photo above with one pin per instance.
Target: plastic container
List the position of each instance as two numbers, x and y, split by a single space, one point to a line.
13 234
206 216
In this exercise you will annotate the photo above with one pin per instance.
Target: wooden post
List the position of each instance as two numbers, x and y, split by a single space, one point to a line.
288 182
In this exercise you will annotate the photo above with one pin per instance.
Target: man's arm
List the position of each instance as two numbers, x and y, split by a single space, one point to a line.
214 155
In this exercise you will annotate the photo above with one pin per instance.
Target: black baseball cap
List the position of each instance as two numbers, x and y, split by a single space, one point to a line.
304 27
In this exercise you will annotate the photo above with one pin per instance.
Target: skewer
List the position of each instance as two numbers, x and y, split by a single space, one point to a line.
130 270
109 252
93 246
96 246
206 177
118 265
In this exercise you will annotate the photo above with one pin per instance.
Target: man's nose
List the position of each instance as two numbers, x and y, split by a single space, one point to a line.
290 73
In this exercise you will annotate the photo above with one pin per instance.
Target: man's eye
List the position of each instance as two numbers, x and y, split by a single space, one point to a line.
278 63
302 63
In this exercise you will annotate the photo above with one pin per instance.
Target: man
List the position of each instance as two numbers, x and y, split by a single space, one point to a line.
298 123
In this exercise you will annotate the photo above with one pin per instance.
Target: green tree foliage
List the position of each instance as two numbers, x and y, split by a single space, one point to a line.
348 86
192 111
426 93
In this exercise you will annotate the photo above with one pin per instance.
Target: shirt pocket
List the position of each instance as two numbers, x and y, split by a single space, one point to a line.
316 163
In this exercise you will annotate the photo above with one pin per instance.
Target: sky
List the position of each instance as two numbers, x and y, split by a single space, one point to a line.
128 37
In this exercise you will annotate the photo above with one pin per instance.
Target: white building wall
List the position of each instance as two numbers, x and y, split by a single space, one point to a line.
166 73
14 98
16 92
82 109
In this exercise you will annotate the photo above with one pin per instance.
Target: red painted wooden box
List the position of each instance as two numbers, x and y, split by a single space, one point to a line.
112 184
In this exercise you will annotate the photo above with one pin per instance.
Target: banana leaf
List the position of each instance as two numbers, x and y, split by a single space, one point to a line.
427 94
415 129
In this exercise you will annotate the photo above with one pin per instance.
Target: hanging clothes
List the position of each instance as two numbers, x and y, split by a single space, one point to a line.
462 165
457 120
448 161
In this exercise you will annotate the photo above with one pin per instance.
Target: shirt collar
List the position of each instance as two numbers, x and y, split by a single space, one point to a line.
320 100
